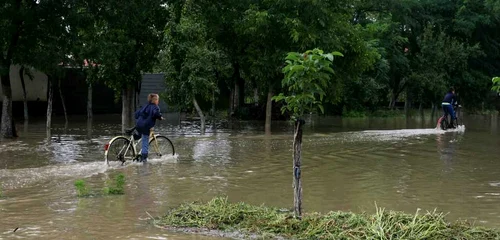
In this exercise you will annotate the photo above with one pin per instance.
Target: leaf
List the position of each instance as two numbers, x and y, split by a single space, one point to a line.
496 84
337 54
329 69
287 68
329 56
292 56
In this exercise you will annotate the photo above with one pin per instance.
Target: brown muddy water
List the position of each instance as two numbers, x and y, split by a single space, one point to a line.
349 164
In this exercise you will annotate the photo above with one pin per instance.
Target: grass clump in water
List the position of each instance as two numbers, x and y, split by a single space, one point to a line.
219 214
81 188
118 187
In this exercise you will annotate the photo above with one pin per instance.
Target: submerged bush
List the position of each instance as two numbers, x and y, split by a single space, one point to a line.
118 187
81 188
219 214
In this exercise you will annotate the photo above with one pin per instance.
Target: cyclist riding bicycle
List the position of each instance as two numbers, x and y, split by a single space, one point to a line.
146 119
448 102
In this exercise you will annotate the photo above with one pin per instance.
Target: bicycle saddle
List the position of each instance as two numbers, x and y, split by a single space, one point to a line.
130 131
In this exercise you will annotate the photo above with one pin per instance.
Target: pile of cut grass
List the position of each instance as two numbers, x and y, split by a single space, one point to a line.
219 214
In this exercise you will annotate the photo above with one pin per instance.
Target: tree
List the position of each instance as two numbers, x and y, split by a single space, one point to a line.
32 33
496 84
53 41
301 25
203 63
120 43
307 75
11 26
25 71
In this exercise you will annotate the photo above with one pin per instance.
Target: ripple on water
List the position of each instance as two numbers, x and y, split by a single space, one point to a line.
398 169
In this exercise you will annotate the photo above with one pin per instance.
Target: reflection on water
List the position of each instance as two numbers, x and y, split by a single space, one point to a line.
349 164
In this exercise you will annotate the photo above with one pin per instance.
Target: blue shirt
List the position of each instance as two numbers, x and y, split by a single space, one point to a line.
146 118
449 98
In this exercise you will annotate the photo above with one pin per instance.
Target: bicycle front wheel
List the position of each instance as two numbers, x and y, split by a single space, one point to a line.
119 151
160 147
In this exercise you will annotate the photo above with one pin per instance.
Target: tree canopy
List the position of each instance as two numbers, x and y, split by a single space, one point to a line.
395 51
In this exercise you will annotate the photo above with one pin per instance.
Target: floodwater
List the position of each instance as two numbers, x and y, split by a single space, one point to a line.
348 164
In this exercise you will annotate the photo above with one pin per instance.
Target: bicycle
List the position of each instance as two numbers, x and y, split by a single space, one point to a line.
121 149
445 124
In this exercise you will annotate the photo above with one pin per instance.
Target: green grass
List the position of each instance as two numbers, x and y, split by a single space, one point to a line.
81 188
117 187
219 214
1 191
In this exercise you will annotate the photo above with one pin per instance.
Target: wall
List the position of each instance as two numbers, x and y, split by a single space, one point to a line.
74 88
36 89
152 83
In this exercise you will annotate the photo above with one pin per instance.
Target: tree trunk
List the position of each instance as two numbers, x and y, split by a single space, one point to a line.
89 129
25 99
269 110
394 98
297 162
213 103
200 113
50 97
433 111
231 103
392 104
127 105
407 106
26 127
8 128
241 88
213 112
256 96
62 100
89 102
236 98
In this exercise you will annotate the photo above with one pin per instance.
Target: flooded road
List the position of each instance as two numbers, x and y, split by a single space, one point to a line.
348 164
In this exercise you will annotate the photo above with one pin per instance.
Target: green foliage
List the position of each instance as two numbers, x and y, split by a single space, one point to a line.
220 214
117 187
124 40
496 84
81 188
192 61
307 75
393 49
1 191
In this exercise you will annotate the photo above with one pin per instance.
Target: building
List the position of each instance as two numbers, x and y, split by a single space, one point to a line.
74 89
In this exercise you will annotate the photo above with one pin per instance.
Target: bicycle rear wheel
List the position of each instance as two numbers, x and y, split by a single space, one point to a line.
119 151
444 123
161 147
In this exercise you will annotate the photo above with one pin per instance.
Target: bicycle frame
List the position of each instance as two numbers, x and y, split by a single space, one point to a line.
448 118
152 135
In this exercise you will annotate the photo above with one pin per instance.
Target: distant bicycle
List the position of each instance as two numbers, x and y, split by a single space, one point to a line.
444 121
121 149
